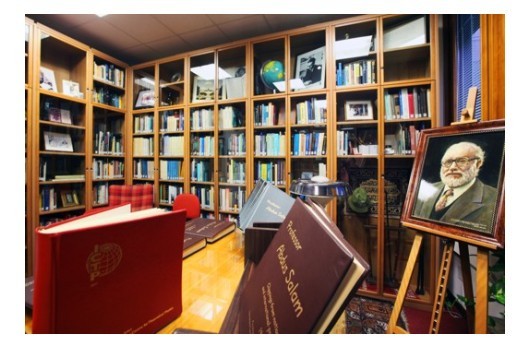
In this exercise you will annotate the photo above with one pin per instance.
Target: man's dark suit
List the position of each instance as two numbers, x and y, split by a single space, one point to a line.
474 209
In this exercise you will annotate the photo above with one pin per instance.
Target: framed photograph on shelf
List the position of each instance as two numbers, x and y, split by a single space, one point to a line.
65 116
57 142
310 68
69 198
54 114
47 79
359 110
456 188
72 88
203 90
145 98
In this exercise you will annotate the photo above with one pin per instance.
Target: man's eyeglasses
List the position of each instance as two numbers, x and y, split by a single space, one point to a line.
459 162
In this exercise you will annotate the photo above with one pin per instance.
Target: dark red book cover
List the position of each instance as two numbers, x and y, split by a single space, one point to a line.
113 277
211 229
297 276
192 244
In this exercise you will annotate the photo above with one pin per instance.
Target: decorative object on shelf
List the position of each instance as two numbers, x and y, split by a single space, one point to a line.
72 88
57 142
358 110
176 77
319 189
69 198
272 71
359 201
145 98
47 79
310 68
203 90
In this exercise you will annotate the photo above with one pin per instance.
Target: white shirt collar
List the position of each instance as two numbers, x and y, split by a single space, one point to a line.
458 191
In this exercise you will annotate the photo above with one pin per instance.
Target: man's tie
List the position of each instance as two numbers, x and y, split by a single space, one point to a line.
442 201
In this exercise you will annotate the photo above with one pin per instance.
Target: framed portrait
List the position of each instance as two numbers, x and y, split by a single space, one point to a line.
69 198
57 141
359 110
47 79
145 98
71 88
203 89
456 188
310 69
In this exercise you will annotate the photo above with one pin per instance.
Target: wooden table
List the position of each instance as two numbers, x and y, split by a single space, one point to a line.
209 280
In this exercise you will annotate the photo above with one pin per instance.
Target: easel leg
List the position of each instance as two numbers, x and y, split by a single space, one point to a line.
481 302
468 285
442 283
403 288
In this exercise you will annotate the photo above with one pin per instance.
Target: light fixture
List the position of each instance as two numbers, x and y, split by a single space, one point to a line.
319 189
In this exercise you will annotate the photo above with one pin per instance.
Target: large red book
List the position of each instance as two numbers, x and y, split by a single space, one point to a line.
109 271
304 279
211 229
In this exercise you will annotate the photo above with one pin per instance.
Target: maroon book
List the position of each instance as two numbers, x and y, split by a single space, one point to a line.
211 229
109 271
303 278
192 244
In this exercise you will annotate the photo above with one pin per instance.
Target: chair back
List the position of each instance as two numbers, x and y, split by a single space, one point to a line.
189 202
140 196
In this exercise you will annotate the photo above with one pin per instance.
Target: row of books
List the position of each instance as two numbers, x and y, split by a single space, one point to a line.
100 193
271 144
172 120
110 74
48 199
353 141
143 146
407 103
202 119
201 170
232 144
234 171
108 143
356 73
108 168
230 117
269 114
171 145
231 198
168 192
270 171
143 123
404 140
170 169
313 111
205 194
203 145
143 168
107 96
309 143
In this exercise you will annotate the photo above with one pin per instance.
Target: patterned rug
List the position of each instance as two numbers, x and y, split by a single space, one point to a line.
367 316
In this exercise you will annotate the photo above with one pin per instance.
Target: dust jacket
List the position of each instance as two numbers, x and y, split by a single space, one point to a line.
109 271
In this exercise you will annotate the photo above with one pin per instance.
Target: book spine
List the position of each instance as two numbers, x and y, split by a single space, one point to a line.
44 291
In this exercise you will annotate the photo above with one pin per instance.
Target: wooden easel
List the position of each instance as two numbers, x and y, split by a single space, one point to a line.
477 316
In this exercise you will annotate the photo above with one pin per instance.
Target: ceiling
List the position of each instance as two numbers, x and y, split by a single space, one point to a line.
138 38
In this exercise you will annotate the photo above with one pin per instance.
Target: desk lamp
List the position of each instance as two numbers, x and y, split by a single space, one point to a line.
319 189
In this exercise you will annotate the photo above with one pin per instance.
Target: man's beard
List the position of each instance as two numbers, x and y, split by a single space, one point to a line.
466 177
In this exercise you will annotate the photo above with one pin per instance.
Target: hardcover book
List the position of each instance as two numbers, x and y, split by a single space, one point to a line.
211 229
266 203
192 244
109 271
303 280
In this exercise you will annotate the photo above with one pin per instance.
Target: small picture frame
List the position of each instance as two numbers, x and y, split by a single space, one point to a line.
69 198
65 116
359 110
54 114
47 79
310 69
57 142
465 164
71 88
203 90
145 98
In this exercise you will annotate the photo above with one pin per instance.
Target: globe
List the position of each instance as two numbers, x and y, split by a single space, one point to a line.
272 71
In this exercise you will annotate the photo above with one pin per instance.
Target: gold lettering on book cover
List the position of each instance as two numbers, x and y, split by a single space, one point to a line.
294 238
274 209
292 285
271 324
